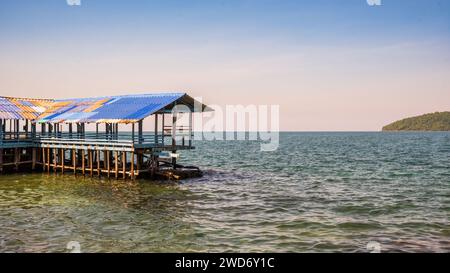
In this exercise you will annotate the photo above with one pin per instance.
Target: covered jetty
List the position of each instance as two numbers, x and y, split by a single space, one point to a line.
52 136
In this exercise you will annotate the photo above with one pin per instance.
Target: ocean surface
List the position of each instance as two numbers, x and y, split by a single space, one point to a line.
319 192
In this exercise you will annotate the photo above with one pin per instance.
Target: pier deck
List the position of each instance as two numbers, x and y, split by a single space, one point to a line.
51 136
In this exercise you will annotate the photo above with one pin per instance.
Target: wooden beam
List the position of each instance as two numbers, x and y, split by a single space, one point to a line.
108 166
140 131
156 128
43 159
33 158
98 162
17 129
190 129
163 133
124 164
138 160
132 165
48 160
16 158
83 162
55 159
91 167
174 128
116 163
74 161
63 155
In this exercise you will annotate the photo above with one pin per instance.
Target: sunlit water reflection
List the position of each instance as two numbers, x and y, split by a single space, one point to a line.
318 192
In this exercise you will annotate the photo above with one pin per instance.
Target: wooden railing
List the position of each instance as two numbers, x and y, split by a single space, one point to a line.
126 139
15 137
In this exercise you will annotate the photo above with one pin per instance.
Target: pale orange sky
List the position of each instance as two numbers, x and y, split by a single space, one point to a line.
339 85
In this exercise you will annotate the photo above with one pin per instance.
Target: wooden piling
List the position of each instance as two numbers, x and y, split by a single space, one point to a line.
55 159
83 163
124 163
48 160
16 159
43 159
138 160
132 165
104 160
33 159
108 163
98 162
63 155
74 161
91 167
116 163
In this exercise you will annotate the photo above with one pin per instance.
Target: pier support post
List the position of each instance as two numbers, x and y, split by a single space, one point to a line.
124 164
190 129
70 130
91 166
174 161
98 162
116 164
174 129
83 162
162 131
48 160
152 166
74 161
63 155
43 159
16 159
140 131
55 159
132 165
139 161
108 166
80 153
156 128
33 160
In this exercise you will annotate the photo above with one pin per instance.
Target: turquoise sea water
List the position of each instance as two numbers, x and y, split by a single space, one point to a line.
319 192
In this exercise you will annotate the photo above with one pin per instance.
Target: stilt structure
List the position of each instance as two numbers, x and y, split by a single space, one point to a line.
51 135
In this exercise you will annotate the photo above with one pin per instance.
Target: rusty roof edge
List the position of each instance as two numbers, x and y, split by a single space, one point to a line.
161 93
21 98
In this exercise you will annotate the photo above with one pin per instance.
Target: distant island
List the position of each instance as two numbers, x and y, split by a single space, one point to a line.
439 121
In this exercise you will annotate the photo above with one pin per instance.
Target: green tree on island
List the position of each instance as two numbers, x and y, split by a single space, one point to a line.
439 121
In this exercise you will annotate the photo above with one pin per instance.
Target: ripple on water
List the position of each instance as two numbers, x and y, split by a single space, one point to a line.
318 192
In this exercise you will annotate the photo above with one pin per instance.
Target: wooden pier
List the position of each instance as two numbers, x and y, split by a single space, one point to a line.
50 144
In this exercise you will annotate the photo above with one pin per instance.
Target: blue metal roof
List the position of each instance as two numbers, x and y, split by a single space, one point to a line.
113 109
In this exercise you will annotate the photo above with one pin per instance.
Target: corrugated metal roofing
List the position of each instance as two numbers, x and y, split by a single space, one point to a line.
19 108
112 109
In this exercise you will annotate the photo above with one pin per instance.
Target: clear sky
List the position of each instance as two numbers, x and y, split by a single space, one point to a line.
329 64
